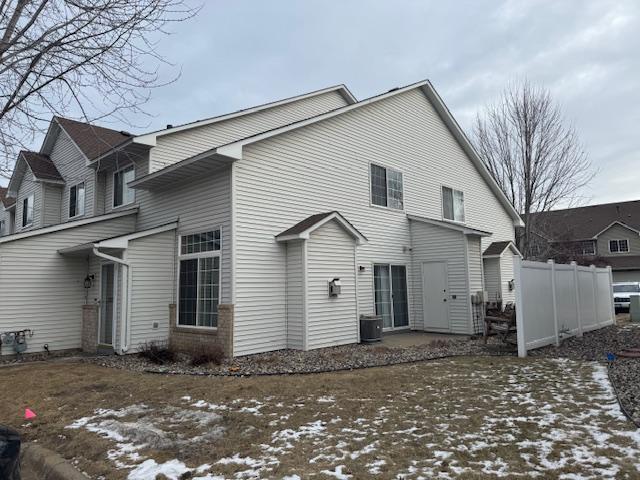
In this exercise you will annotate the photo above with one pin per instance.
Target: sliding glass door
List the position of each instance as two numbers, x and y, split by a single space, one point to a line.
390 289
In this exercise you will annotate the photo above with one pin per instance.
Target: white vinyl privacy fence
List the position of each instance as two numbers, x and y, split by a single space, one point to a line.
555 301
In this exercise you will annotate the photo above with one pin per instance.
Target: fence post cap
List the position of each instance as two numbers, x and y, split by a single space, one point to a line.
573 262
592 266
550 261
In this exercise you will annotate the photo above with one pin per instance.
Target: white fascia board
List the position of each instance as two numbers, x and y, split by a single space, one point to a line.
232 148
462 139
67 225
305 235
616 222
20 168
452 226
122 242
150 138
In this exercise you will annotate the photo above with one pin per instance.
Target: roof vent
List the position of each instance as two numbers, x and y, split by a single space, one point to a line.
393 89
169 126
124 132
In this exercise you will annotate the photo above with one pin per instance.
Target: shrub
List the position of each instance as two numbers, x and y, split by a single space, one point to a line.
207 354
157 352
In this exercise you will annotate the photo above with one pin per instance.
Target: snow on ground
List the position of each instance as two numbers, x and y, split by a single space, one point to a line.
539 419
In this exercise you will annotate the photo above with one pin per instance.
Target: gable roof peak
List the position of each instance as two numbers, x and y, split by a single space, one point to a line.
92 140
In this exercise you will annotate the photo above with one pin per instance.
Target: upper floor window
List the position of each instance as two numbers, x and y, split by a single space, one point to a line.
386 187
618 246
199 279
452 204
27 211
76 200
122 193
2 232
587 247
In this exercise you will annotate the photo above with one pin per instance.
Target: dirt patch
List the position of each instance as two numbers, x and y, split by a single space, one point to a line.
461 418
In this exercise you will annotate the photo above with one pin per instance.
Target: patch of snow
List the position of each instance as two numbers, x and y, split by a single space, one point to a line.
337 473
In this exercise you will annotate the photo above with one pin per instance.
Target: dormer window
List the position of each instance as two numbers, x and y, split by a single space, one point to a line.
27 211
122 194
76 200
386 187
452 204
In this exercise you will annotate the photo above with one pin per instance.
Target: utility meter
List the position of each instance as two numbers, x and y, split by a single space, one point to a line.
335 287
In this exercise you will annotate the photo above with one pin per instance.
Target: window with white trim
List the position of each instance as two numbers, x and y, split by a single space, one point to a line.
76 200
122 193
587 247
386 187
27 211
199 279
619 246
452 204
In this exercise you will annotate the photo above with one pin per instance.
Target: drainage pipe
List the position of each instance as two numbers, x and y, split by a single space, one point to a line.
124 309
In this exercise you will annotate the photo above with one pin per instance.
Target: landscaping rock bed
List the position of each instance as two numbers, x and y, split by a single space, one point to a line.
595 345
347 357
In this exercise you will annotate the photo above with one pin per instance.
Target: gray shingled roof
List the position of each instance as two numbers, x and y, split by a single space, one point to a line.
93 140
305 224
41 166
583 223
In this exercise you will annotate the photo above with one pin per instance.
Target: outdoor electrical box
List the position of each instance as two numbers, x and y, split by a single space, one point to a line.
335 287
634 308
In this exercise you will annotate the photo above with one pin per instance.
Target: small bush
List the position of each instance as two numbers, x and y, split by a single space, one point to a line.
157 352
207 354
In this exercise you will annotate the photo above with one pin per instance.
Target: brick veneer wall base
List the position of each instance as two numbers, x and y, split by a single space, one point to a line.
191 340
90 328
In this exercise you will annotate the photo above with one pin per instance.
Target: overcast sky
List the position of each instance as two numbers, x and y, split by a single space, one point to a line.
236 54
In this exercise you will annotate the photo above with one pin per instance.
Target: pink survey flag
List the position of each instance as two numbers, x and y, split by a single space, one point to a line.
29 414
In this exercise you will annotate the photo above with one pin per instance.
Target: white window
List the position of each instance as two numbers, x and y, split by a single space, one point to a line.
386 187
618 246
452 204
122 194
587 247
2 227
27 211
76 200
199 279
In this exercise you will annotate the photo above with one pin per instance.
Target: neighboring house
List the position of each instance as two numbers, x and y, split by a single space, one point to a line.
268 228
607 234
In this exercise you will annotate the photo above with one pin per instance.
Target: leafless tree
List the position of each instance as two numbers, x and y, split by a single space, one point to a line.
94 58
534 155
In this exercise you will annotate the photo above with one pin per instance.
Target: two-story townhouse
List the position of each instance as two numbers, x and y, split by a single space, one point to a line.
268 228
607 234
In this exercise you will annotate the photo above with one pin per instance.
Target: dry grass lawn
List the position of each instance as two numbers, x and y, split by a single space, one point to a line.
462 418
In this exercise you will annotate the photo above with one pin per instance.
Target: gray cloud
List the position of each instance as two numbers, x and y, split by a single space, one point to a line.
237 54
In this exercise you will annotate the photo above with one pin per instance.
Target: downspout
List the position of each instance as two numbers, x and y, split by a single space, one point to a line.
124 331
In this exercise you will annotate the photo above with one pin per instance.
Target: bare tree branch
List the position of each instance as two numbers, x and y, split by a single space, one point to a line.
536 158
62 56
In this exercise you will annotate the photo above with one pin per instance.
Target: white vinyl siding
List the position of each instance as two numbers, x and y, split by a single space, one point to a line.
152 262
506 275
492 279
198 205
71 164
295 296
43 290
433 243
325 167
52 195
177 146
474 257
331 321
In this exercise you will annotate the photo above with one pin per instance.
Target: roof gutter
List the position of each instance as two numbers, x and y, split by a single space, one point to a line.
125 330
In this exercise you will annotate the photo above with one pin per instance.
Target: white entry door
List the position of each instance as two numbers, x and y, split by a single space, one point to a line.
435 296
